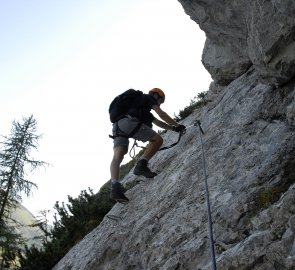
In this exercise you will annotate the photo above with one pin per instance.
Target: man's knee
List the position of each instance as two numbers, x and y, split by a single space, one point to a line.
119 153
157 139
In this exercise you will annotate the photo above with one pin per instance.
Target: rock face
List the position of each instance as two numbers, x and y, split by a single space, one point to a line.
250 156
242 33
249 145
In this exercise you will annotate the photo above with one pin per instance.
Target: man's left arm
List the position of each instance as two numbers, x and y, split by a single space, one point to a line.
169 124
162 124
164 116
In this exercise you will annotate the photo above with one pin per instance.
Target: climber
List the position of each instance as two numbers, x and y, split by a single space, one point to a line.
139 119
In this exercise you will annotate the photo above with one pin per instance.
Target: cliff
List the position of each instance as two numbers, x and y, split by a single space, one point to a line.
249 143
246 33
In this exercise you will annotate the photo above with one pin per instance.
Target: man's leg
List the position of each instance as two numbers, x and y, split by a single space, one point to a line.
153 147
118 156
117 191
141 167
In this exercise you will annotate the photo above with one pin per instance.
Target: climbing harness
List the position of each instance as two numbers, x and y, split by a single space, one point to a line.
135 144
119 133
123 134
198 123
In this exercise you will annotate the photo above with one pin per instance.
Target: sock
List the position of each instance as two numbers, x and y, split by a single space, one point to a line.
144 160
114 181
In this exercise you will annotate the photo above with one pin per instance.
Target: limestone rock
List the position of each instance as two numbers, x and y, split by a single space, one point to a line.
244 33
250 159
249 144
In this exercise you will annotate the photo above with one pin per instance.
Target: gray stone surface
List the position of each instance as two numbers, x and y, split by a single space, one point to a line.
241 33
249 124
250 155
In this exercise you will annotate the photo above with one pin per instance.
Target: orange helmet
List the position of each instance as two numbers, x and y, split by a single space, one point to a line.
158 91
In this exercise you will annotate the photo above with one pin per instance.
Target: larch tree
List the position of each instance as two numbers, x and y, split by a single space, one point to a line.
15 164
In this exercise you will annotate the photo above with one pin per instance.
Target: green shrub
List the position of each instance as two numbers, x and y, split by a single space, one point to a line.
195 103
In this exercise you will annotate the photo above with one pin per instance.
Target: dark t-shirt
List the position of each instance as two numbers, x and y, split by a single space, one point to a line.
142 107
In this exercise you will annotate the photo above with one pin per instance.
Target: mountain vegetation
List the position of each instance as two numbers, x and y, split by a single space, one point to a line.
15 161
72 222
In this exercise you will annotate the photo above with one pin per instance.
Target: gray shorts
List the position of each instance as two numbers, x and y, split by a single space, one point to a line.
125 126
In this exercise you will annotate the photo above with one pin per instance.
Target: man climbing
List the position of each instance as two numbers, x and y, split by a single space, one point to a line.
137 124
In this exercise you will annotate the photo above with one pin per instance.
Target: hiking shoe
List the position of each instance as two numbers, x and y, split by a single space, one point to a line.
141 168
117 193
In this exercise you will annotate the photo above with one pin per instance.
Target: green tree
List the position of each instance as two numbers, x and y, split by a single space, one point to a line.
42 223
9 244
73 221
14 158
15 161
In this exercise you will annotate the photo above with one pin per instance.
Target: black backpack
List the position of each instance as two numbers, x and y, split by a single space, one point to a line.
122 103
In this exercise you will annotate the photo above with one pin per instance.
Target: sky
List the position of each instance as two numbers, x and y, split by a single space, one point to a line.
63 61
